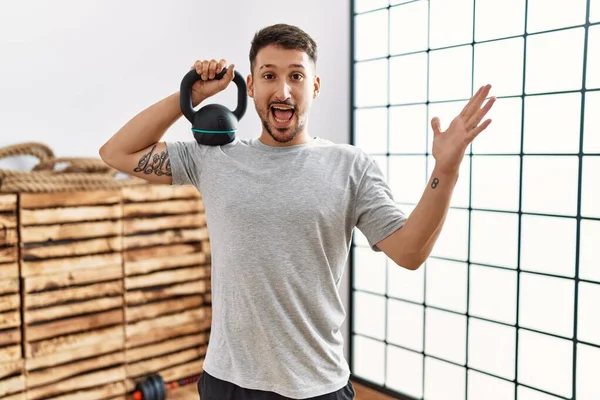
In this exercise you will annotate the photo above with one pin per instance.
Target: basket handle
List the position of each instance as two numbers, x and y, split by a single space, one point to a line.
76 164
36 149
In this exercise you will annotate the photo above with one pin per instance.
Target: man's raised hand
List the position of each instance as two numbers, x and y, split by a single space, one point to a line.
449 146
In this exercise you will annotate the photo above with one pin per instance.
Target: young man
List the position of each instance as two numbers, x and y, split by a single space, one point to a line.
281 209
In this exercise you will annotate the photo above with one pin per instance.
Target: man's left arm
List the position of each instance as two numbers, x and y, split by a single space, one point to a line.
412 244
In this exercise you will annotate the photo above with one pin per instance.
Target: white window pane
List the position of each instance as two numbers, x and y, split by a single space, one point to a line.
408 129
494 238
486 387
591 138
359 238
453 239
371 35
500 63
524 393
588 365
369 359
495 182
369 315
446 285
546 362
546 70
543 15
499 18
590 191
493 294
371 83
548 245
405 371
409 26
552 135
367 5
406 284
503 136
445 335
593 58
408 178
550 185
594 10
444 381
408 79
547 304
407 208
588 323
450 74
394 2
589 252
371 129
446 112
492 348
405 324
369 270
450 31
460 195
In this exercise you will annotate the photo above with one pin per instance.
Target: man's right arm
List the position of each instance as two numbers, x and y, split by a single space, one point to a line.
137 150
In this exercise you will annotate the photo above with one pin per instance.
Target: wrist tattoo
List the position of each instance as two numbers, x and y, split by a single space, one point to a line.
435 182
160 164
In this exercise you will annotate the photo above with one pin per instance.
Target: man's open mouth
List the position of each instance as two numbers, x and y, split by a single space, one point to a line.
282 113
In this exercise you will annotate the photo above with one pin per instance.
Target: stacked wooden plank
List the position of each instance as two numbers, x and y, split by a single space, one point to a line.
72 276
12 377
167 279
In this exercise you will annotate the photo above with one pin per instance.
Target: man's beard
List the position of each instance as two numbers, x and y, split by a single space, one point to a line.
282 137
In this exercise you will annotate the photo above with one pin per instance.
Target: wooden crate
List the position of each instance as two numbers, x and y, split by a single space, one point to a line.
72 276
12 377
167 280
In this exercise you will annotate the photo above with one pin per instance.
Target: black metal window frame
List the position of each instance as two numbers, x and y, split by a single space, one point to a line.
578 217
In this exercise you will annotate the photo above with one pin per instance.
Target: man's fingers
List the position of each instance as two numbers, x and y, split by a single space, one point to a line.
436 126
475 102
473 133
463 112
212 67
478 116
228 77
205 69
222 64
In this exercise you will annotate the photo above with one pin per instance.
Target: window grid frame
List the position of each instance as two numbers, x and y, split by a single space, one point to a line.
578 217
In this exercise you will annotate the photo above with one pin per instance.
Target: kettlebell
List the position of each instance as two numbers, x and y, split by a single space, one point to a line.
213 124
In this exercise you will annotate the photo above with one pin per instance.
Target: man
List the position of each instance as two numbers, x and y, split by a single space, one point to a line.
281 209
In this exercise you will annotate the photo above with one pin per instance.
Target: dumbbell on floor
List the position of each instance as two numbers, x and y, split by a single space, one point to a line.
153 387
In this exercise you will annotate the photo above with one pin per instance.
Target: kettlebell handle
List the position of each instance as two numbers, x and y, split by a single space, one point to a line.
185 96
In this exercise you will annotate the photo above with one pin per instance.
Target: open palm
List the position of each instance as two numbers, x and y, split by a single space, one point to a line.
449 146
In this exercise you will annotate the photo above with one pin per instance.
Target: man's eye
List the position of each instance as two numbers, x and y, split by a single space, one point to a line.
268 76
297 76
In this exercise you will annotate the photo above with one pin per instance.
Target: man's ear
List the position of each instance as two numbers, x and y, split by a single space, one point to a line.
249 87
317 87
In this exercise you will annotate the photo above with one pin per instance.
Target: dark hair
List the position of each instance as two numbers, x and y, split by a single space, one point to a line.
283 35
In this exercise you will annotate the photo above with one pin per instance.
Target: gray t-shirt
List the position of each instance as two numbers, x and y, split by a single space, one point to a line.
280 223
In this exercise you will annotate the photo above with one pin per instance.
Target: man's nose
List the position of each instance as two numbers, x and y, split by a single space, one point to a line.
283 91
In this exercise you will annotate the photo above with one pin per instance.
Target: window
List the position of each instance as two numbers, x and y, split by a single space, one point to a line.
506 307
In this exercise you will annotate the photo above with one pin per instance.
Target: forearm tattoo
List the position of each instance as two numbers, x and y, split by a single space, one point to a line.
435 182
159 164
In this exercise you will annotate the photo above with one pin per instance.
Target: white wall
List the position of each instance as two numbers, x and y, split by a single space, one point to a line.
72 72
